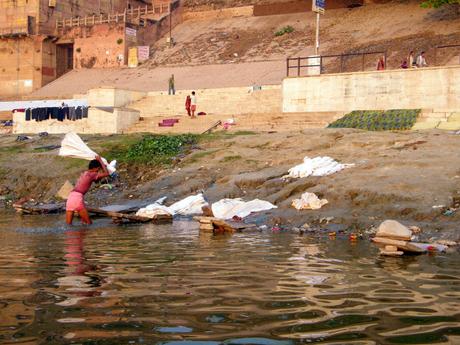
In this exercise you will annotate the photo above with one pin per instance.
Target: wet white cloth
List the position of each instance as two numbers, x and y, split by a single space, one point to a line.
153 210
318 166
73 146
228 208
309 201
191 205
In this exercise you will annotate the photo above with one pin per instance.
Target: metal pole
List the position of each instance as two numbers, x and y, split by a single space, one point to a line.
317 34
17 67
170 25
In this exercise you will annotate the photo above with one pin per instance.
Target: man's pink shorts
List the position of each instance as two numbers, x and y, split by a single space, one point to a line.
75 202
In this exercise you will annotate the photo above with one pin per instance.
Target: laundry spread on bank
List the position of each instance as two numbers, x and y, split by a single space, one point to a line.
55 113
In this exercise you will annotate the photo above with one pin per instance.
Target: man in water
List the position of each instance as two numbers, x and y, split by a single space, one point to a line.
75 202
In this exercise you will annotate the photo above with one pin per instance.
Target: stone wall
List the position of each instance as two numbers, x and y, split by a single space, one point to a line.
425 88
112 97
107 114
225 101
20 66
242 11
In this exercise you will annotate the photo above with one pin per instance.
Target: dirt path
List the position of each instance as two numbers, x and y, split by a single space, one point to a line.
397 175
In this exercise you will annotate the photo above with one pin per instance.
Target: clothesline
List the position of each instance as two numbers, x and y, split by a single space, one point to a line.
10 106
55 113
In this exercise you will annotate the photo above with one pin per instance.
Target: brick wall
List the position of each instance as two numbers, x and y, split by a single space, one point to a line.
98 46
20 66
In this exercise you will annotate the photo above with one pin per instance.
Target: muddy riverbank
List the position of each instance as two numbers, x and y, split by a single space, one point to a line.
412 177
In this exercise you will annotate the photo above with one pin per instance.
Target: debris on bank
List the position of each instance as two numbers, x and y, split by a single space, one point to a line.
308 201
395 239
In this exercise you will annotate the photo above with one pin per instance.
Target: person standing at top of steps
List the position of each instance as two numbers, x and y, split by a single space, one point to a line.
193 104
172 88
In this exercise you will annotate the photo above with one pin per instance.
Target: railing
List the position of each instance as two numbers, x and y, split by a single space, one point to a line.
329 63
123 17
14 31
440 49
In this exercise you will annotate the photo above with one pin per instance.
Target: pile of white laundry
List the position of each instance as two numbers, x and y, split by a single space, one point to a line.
228 208
73 146
318 166
191 205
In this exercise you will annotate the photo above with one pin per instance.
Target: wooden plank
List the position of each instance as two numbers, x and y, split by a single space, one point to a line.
403 245
119 217
39 209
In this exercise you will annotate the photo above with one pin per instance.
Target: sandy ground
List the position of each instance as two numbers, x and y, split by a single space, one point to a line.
244 51
397 175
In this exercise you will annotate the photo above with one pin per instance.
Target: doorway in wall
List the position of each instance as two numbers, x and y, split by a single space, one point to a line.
64 58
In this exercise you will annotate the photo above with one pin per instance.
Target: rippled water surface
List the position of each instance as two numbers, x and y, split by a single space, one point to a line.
172 285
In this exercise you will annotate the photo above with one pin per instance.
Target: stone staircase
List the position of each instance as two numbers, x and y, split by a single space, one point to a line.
249 122
448 119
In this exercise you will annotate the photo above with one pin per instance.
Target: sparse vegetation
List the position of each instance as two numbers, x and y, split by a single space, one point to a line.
156 149
284 30
231 158
396 119
439 3
120 41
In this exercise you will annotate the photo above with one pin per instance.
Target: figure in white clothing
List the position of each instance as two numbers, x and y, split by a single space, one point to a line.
421 61
193 104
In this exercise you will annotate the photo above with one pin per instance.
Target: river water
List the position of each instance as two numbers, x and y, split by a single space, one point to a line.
172 285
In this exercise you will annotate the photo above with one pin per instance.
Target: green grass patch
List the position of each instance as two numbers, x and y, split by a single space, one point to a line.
199 155
284 30
378 120
222 135
12 149
153 149
230 158
72 163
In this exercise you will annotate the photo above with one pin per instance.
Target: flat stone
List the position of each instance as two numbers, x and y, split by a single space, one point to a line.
396 253
394 230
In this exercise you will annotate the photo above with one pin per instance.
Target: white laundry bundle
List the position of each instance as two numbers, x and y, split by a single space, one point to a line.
153 210
73 146
228 208
309 201
191 205
318 166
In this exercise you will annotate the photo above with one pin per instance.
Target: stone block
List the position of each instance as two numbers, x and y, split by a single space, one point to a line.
453 117
429 124
452 125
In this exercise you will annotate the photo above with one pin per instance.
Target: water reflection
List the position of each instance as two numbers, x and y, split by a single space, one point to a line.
171 284
80 278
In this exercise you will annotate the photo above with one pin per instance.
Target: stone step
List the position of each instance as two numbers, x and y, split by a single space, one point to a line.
429 124
452 125
454 117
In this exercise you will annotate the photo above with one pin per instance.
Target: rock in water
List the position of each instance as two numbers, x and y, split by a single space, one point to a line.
395 230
